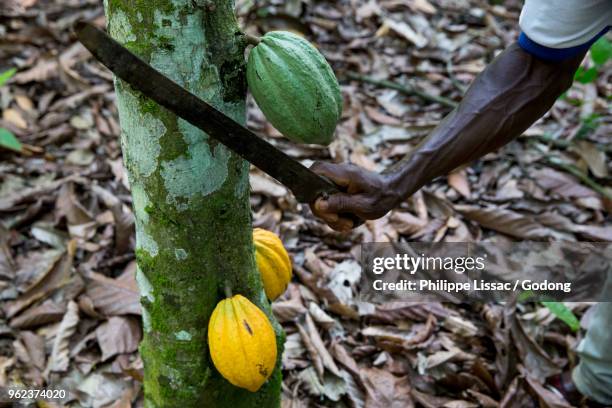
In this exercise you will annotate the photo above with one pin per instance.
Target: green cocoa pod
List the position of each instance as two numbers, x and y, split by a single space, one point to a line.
295 87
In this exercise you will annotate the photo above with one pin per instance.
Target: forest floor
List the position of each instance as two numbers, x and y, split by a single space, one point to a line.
69 307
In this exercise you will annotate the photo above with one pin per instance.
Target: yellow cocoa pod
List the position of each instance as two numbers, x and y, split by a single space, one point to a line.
272 261
242 343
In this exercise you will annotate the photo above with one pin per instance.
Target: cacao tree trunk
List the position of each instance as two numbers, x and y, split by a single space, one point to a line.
190 198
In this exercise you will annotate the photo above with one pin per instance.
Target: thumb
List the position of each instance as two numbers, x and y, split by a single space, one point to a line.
335 172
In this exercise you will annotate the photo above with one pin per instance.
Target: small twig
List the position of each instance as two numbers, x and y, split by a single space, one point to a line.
549 139
580 175
566 143
406 89
252 40
453 79
117 260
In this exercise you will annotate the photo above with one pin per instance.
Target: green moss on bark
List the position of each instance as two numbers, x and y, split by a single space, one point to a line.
191 199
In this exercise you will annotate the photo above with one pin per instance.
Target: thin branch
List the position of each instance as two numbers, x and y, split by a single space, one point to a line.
405 89
564 144
549 139
453 79
580 175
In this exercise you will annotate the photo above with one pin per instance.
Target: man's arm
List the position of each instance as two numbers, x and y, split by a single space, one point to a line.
514 91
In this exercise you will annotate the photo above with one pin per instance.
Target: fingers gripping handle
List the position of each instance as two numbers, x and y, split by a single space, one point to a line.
357 221
354 218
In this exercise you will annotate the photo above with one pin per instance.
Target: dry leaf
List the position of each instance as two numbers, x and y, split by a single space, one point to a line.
404 30
7 264
393 312
320 316
29 194
406 223
59 359
507 222
42 71
13 116
538 363
384 390
593 157
69 206
459 181
24 102
118 335
5 364
401 339
113 297
35 346
431 401
47 312
380 117
330 386
316 348
56 276
422 5
562 184
288 310
264 184
27 3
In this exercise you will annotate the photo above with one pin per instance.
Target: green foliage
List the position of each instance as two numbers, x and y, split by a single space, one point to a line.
588 125
564 314
9 141
600 53
559 309
525 296
6 75
586 76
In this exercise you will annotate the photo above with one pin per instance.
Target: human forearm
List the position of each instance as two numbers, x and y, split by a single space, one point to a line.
514 91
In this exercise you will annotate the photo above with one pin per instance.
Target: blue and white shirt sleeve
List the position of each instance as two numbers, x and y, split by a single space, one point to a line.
555 30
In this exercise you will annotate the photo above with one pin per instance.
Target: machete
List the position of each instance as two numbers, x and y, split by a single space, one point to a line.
305 184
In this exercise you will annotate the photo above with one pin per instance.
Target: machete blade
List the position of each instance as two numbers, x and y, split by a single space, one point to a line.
305 184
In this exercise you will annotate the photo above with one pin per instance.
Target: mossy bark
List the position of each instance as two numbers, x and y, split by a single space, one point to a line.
190 197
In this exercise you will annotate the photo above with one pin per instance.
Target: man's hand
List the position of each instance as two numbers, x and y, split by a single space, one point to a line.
368 195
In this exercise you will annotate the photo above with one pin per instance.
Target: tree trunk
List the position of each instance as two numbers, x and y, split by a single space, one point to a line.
190 197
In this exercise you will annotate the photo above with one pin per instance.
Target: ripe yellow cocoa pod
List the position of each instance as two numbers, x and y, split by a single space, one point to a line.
272 261
242 343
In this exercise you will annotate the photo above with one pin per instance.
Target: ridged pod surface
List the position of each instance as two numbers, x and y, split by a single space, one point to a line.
295 87
272 261
242 343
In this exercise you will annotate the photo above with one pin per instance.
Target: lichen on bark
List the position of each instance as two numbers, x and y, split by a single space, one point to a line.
190 197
